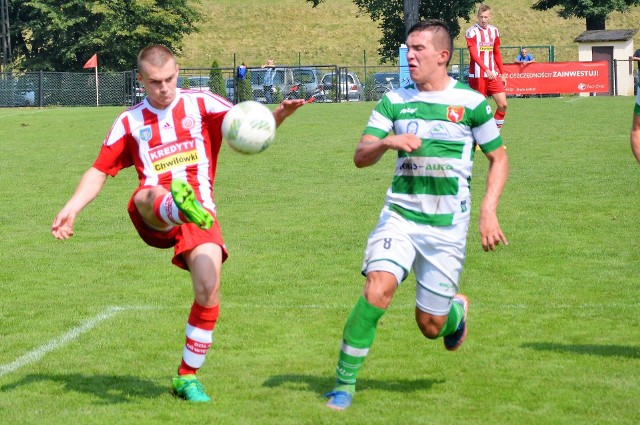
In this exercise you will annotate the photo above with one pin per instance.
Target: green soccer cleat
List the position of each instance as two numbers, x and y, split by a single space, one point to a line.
454 341
186 201
189 388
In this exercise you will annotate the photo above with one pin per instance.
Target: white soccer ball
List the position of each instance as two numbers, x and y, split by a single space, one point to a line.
249 127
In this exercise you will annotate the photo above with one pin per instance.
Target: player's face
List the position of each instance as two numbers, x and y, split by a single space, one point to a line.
159 82
423 57
483 18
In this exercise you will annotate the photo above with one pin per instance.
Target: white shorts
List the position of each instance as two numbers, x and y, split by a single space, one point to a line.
436 254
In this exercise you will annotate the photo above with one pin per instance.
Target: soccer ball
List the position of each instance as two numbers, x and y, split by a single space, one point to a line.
249 127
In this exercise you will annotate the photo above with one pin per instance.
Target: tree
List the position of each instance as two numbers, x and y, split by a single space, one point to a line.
594 12
390 15
55 35
217 84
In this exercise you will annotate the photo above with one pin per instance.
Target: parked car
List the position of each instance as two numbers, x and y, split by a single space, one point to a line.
455 73
384 82
309 78
231 88
350 85
17 93
283 80
200 83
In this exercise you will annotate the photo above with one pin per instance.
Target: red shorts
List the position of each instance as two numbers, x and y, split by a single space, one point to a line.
182 238
486 86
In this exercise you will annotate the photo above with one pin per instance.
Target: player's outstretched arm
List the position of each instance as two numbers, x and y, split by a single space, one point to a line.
89 187
286 108
370 148
490 232
635 137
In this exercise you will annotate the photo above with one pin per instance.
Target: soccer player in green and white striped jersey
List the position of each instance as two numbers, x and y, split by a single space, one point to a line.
434 126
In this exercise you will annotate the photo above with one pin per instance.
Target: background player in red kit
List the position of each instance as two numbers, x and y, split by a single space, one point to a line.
172 138
486 73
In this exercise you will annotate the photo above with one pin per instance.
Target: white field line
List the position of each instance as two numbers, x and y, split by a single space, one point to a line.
23 113
38 353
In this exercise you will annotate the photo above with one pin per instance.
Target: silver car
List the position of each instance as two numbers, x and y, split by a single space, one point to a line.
350 86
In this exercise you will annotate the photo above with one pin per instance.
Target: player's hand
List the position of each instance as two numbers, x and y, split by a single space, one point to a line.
62 227
492 75
406 142
286 108
490 233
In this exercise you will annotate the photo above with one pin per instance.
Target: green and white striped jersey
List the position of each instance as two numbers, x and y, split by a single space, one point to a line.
431 184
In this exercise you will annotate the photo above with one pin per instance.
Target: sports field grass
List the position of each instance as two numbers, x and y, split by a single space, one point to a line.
91 329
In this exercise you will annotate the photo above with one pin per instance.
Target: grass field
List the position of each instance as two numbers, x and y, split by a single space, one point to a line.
91 329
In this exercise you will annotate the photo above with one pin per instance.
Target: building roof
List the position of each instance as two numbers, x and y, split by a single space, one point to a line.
605 35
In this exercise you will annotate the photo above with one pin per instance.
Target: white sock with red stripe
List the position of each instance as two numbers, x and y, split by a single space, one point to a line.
499 117
167 211
200 326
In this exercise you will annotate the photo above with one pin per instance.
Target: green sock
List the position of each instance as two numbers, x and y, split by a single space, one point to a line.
357 337
453 321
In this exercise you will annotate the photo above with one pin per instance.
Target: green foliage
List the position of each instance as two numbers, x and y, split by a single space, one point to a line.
390 16
60 36
595 13
216 80
245 91
585 9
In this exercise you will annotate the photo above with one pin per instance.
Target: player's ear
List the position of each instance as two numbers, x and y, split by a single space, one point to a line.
445 55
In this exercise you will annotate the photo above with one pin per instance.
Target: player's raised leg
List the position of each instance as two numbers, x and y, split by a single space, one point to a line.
186 201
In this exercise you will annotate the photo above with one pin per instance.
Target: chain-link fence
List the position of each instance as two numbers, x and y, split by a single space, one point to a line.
320 83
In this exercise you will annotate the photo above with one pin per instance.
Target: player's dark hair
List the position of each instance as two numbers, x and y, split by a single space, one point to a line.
440 29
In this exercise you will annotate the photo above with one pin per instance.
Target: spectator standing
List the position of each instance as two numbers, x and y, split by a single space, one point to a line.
486 73
524 57
172 138
267 84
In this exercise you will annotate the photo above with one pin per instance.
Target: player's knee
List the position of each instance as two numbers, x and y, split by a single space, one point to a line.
379 288
429 325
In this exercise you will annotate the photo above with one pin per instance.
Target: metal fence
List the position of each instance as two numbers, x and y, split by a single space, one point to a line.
320 83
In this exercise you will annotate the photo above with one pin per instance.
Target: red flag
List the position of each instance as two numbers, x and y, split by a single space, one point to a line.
93 62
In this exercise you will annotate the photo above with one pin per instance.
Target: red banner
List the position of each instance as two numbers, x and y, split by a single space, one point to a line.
557 77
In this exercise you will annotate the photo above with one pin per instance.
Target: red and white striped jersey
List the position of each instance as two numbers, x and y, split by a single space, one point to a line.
484 45
182 141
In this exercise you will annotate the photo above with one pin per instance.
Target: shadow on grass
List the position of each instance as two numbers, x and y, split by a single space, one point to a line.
109 388
628 351
322 385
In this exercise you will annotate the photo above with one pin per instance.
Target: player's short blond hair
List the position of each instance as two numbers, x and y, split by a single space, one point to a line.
156 55
484 8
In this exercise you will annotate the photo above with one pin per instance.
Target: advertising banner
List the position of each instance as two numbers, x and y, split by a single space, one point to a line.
557 77
405 78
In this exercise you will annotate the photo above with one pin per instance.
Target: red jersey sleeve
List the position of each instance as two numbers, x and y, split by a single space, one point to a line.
472 45
497 55
115 153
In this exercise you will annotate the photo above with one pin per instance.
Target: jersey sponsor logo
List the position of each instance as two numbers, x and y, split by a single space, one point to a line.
188 122
173 155
410 111
455 113
438 131
145 134
412 127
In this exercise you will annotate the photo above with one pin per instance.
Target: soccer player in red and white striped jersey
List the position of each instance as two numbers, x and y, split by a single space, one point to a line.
486 73
172 138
